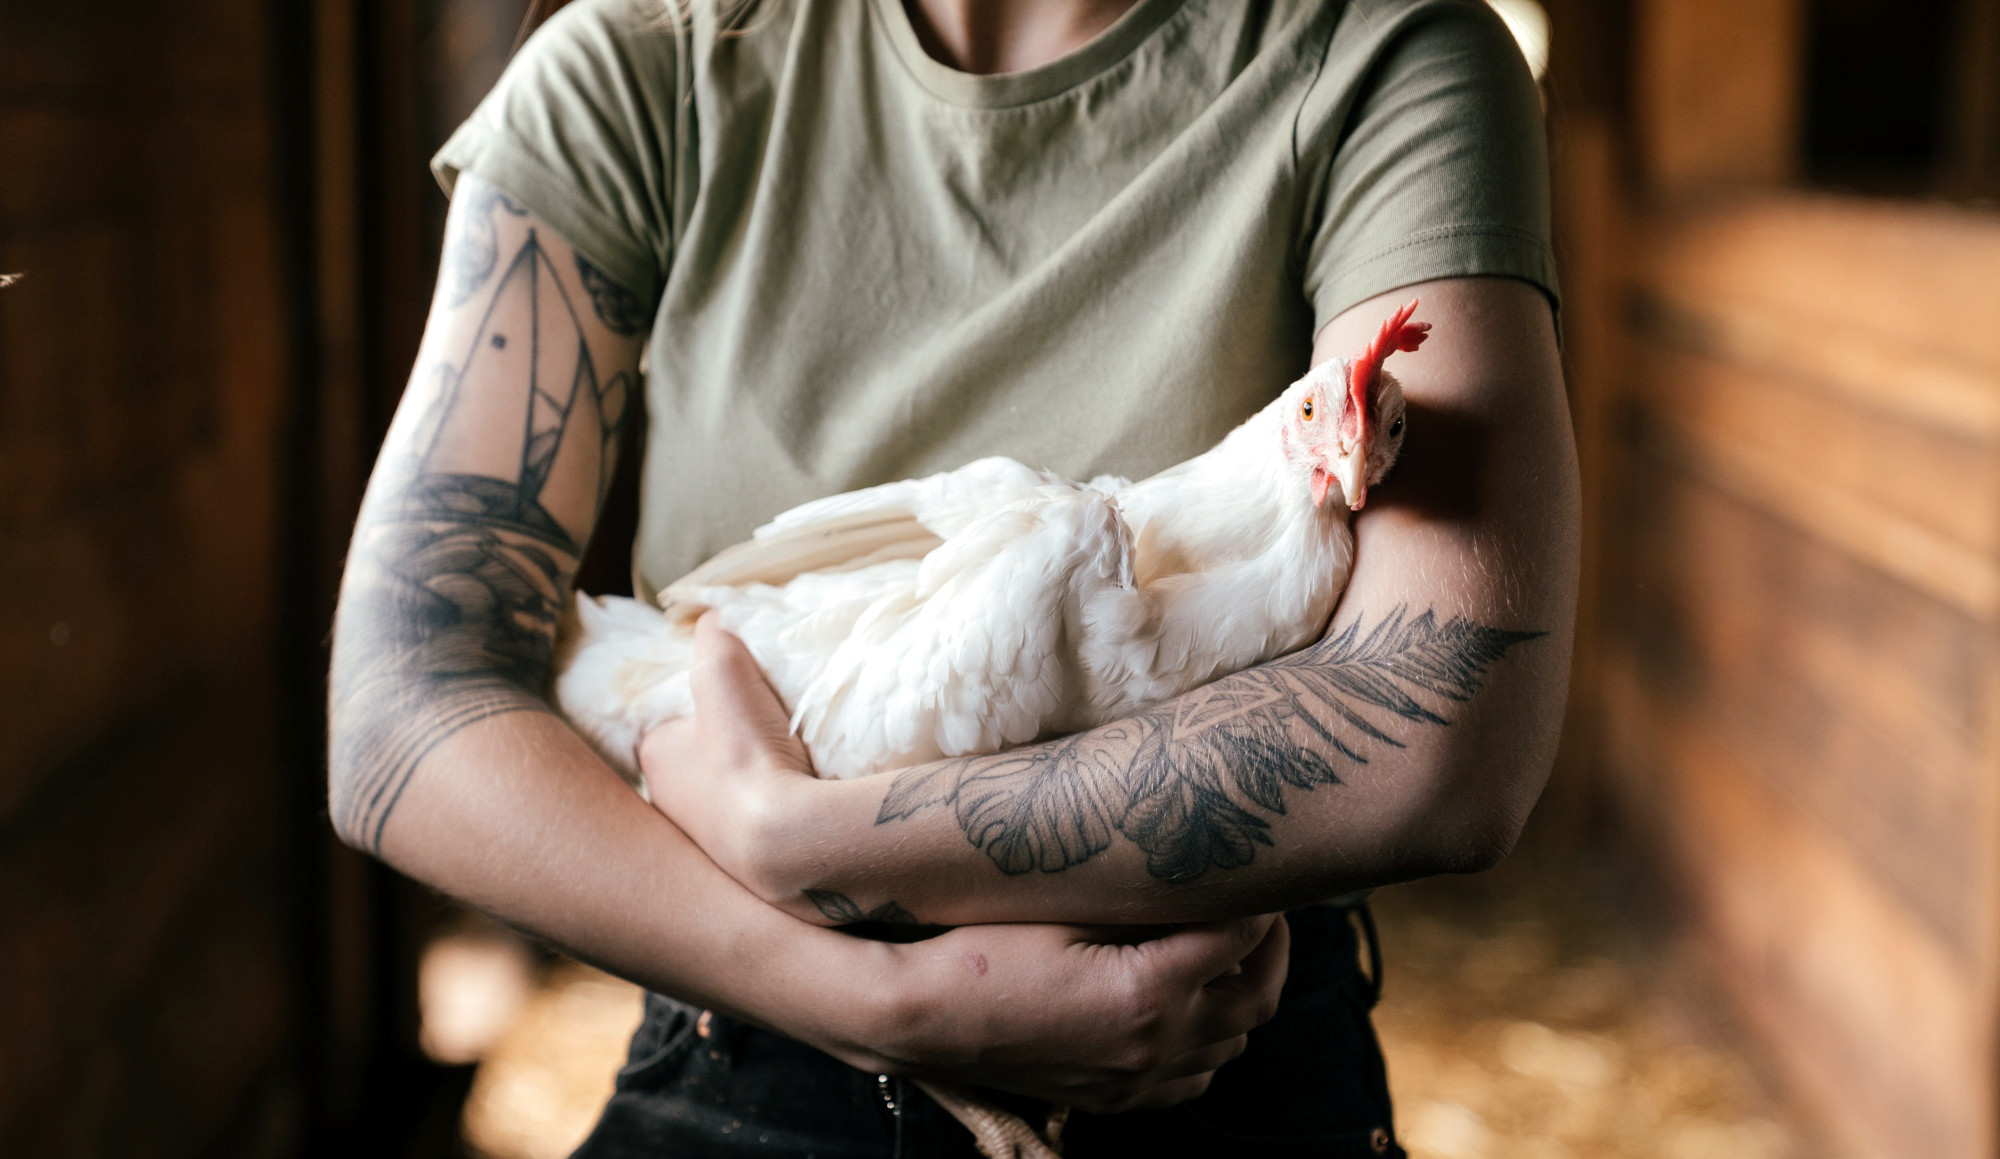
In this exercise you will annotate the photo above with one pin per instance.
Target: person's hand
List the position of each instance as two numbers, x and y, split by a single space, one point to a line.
1095 1019
733 776
1100 1018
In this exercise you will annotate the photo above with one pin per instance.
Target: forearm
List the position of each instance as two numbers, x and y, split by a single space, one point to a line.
1353 764
516 816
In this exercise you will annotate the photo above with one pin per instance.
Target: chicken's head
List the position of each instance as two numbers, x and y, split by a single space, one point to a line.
1344 420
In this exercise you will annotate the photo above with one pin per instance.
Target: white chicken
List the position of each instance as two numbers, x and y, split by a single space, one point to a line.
992 605
996 604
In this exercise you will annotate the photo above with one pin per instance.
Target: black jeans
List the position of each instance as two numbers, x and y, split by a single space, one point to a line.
1310 1083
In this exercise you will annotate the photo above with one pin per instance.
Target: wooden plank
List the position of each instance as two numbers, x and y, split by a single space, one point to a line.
1922 277
1902 468
150 589
1843 722
342 1017
65 667
90 893
1877 1026
1888 375
1735 569
170 1071
1864 528
1718 90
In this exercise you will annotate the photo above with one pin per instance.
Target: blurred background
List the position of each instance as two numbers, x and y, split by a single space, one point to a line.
1758 913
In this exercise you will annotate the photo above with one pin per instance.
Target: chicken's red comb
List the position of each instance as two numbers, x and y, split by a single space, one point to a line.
1367 368
1398 333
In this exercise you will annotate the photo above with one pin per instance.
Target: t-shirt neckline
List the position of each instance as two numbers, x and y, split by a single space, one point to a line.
1021 88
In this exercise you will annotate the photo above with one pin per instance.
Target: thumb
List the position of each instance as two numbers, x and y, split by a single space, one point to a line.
737 714
1208 950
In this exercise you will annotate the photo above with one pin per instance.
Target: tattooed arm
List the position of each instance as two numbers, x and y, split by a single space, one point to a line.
447 762
1411 740
480 505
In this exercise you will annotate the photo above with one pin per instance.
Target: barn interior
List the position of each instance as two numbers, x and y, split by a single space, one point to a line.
1757 912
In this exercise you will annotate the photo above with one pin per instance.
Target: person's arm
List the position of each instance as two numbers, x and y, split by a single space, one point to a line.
447 761
1413 739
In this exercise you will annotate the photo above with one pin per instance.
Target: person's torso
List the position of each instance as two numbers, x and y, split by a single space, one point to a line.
888 268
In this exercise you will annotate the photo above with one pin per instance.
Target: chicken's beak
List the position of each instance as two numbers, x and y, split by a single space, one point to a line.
1350 470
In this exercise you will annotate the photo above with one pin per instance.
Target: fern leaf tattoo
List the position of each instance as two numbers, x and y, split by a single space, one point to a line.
1194 782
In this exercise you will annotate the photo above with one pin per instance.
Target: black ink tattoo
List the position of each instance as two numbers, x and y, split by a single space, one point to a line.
473 247
621 310
465 559
1191 782
837 907
887 922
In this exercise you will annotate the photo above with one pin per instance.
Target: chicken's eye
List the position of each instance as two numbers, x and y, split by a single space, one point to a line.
1395 428
1307 409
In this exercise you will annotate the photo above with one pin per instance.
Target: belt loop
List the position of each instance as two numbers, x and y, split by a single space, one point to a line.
1367 917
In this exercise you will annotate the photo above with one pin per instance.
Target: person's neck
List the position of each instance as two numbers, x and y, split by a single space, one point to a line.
989 37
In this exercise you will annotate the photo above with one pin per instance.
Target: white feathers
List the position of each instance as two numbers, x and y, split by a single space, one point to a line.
621 668
984 607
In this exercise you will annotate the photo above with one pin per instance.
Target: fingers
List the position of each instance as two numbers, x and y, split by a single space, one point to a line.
1206 1059
736 710
1170 1093
1179 1080
1159 1017
1241 1002
1266 965
1201 953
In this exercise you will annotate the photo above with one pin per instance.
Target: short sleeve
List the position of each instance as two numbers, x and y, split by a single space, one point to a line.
1424 135
581 129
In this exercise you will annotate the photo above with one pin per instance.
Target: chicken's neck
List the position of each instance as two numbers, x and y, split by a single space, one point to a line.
1237 502
1236 564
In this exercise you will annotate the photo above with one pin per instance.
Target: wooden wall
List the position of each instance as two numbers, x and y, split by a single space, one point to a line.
1799 675
1789 404
228 234
145 982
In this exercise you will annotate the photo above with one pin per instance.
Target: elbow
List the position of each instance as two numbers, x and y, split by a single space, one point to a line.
355 839
353 797
1478 845
1479 830
1433 846
342 808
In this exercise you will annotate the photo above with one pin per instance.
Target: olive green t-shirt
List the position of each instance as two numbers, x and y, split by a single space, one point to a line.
865 265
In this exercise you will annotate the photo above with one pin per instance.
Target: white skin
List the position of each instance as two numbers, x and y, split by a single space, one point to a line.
466 781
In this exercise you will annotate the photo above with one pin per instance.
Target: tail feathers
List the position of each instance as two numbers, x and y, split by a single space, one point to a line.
856 529
782 556
621 668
